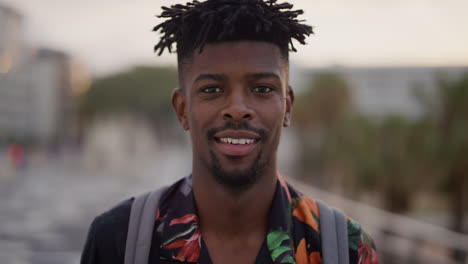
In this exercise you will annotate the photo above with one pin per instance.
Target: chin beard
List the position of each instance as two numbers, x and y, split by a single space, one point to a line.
237 181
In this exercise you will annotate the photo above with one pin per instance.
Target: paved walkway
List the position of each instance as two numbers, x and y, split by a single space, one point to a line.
45 210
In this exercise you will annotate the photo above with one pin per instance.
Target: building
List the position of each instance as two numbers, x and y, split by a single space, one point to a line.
38 89
12 88
382 91
52 106
10 37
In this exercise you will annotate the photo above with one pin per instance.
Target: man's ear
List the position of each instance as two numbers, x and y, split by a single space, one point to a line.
178 102
289 102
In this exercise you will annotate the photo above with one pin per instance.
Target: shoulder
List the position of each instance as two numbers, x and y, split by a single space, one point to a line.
113 223
307 210
107 235
361 245
115 218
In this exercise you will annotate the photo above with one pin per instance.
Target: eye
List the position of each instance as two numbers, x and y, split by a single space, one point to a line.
262 89
212 89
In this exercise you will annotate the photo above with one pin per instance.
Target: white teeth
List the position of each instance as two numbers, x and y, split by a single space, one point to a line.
235 141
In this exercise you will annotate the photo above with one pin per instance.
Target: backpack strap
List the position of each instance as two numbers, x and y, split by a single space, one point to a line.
140 227
334 235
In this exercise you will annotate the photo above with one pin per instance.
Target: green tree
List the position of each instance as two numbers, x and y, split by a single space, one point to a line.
319 113
387 155
325 104
342 147
450 123
143 90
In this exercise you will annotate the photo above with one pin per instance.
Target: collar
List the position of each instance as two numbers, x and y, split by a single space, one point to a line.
177 225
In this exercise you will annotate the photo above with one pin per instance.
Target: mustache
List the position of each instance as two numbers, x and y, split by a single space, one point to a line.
236 125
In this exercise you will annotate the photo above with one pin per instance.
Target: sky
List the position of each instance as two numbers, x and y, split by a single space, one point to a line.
111 35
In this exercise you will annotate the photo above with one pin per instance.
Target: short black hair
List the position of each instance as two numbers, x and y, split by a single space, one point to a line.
196 24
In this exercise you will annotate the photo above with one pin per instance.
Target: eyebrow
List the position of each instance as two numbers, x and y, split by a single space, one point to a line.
222 77
263 75
209 76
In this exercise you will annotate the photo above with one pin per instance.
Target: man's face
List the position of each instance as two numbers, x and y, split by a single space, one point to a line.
234 101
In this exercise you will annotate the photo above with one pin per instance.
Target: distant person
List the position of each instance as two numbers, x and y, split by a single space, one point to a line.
16 155
234 99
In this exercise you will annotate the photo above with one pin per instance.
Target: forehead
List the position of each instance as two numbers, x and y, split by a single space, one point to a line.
237 58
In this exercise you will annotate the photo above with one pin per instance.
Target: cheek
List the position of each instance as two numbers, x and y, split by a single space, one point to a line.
274 113
199 117
273 118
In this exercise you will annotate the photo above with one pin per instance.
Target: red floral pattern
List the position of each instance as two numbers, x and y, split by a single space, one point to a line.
190 247
367 254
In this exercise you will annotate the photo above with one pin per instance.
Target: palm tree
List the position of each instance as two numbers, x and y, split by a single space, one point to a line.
447 114
451 124
319 113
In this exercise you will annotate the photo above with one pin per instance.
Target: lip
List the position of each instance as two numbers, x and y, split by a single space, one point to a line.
236 150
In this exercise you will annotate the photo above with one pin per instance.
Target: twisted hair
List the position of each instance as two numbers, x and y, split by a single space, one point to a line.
196 24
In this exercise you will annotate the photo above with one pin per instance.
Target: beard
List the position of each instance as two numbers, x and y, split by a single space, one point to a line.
237 181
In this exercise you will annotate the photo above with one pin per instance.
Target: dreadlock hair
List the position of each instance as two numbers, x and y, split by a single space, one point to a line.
196 24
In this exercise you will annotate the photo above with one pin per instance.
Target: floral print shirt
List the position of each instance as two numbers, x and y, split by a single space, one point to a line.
293 234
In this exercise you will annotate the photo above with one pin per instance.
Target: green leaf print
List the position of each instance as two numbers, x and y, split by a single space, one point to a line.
288 259
354 233
274 241
275 238
295 202
278 251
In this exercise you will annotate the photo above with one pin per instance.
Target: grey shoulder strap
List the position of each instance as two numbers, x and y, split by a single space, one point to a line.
140 227
334 234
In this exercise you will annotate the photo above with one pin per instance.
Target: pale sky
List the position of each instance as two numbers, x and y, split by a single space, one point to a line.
108 35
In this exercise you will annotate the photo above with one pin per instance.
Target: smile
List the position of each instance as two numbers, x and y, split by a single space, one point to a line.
236 142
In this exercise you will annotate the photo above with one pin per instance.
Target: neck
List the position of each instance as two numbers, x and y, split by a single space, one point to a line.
226 213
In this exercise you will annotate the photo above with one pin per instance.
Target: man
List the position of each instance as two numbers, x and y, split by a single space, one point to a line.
233 99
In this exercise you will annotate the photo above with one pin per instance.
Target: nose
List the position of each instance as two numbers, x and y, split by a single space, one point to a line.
237 107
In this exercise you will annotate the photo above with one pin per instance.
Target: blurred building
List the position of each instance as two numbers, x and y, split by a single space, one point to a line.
51 111
117 142
10 37
38 89
381 91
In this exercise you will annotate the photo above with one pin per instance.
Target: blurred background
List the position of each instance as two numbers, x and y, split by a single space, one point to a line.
380 123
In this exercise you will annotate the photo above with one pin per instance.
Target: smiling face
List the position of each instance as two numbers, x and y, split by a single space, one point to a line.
234 100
